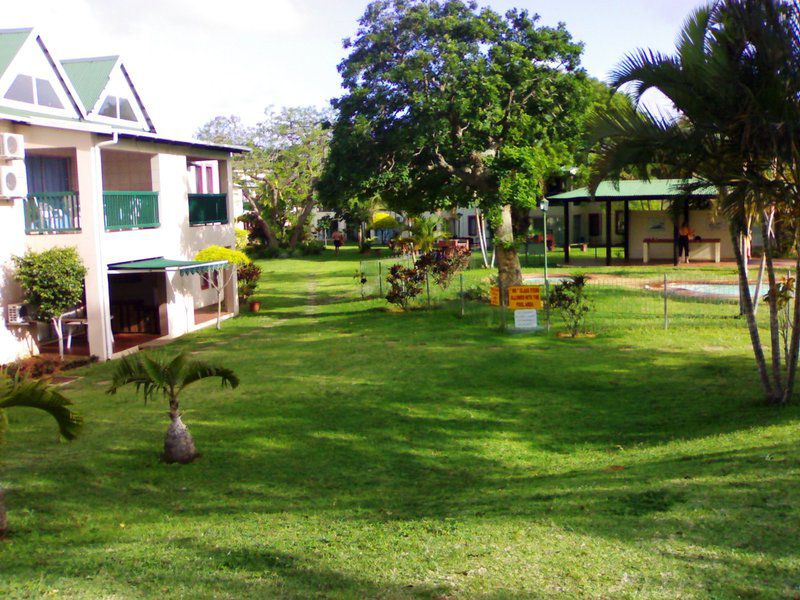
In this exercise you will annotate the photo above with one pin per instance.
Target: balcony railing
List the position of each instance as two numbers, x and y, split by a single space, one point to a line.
208 208
130 210
52 212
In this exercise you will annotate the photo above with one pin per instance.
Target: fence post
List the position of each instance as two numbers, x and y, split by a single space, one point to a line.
502 306
428 288
461 277
380 279
666 314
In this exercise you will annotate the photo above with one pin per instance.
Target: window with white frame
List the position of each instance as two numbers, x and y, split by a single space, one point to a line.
33 90
117 107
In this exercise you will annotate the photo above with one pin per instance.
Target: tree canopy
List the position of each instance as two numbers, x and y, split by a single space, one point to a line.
52 280
279 177
448 104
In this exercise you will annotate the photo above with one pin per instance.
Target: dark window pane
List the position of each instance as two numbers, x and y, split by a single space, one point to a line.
126 110
46 95
21 90
109 108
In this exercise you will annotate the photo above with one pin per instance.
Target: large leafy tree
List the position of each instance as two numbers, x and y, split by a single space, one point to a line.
449 104
279 177
18 392
735 82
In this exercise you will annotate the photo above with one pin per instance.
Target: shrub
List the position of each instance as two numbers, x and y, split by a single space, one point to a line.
241 239
213 253
52 280
443 265
569 298
312 247
366 245
247 277
405 284
478 292
261 251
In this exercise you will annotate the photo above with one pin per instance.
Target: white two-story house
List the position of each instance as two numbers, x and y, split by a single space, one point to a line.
82 165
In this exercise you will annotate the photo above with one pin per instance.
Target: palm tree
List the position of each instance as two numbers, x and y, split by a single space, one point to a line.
19 392
426 231
734 82
152 375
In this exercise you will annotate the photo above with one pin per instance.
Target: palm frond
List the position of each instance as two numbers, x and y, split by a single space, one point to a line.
20 392
633 139
151 374
195 370
139 370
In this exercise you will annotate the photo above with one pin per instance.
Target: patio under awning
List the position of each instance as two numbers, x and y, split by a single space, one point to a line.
163 265
663 191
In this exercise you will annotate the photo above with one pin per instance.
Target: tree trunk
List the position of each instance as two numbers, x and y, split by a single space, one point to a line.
508 268
266 230
794 344
3 517
482 237
774 326
178 443
752 325
300 225
57 325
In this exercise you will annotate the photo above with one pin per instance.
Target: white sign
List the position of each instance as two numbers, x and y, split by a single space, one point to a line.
526 319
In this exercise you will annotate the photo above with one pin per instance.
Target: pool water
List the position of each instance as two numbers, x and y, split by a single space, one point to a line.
540 280
717 290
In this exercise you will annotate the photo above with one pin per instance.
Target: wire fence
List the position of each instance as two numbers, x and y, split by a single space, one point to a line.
624 298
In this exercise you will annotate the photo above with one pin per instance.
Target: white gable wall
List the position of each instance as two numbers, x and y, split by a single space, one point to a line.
118 86
31 60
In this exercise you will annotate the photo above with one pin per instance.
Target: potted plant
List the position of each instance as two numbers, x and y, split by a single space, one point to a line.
247 277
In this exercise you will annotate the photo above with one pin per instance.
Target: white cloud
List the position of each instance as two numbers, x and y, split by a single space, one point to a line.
190 59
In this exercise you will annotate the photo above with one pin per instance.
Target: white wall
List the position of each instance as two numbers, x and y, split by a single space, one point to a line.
658 224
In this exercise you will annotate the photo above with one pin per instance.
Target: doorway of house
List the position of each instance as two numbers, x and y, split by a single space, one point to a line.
138 308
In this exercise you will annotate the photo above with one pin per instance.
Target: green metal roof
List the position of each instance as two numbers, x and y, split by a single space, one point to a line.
655 189
90 76
11 41
156 265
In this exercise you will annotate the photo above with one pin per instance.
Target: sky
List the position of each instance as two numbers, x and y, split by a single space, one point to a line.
194 59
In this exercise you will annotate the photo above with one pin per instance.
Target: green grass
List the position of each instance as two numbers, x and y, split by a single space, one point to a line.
370 453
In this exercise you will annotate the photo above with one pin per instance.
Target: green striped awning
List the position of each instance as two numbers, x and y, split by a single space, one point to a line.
160 265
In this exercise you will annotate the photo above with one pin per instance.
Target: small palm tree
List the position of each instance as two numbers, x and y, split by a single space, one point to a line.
19 392
152 375
426 231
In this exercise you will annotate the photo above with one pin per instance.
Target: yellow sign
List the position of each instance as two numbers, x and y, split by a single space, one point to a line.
525 297
494 295
519 297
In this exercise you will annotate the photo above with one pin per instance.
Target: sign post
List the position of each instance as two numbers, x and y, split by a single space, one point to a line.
544 205
524 300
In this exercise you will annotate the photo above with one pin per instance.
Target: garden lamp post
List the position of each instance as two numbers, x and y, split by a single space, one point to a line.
543 206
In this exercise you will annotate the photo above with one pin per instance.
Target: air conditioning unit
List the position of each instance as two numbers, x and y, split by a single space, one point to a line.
12 181
12 146
17 314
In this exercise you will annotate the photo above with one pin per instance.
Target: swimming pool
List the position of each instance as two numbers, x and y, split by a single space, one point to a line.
715 290
540 280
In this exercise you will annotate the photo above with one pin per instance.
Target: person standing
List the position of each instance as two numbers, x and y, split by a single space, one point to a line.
338 240
685 233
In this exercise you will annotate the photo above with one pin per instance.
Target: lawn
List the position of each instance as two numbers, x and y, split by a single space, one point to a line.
375 454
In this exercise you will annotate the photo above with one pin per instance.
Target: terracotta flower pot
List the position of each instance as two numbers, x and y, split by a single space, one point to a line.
255 306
